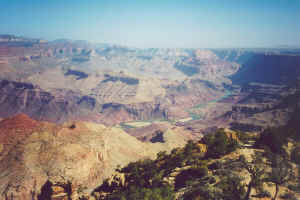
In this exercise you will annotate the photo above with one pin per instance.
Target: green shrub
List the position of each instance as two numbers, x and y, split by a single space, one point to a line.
274 139
189 174
219 144
262 194
289 196
215 165
141 193
232 187
295 154
244 137
293 187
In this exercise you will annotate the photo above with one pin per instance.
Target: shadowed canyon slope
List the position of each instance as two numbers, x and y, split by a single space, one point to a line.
269 69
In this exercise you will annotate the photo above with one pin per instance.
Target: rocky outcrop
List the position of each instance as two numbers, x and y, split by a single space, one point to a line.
63 105
74 80
245 127
206 65
139 111
60 105
19 97
40 157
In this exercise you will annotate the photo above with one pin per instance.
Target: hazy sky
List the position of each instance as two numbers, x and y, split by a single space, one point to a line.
157 23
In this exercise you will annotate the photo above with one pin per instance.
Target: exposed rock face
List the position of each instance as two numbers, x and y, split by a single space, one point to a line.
60 105
74 80
34 154
268 95
117 113
24 97
263 105
207 65
239 56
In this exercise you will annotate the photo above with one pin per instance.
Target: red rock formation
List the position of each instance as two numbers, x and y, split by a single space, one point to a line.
34 153
17 128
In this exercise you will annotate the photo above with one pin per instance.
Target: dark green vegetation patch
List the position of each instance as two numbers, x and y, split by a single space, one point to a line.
191 173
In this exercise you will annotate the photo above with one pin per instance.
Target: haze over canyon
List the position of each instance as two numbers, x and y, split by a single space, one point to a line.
74 111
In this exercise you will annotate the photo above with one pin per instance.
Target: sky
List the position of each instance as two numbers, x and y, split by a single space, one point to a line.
157 23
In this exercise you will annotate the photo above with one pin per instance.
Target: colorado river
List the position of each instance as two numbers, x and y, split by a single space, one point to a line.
195 116
192 115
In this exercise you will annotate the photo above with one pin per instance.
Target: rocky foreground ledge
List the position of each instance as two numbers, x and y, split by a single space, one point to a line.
35 155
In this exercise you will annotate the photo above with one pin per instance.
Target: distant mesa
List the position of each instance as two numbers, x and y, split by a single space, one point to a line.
12 39
63 41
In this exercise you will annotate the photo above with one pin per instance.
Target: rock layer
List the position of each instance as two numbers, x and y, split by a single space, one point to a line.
84 154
